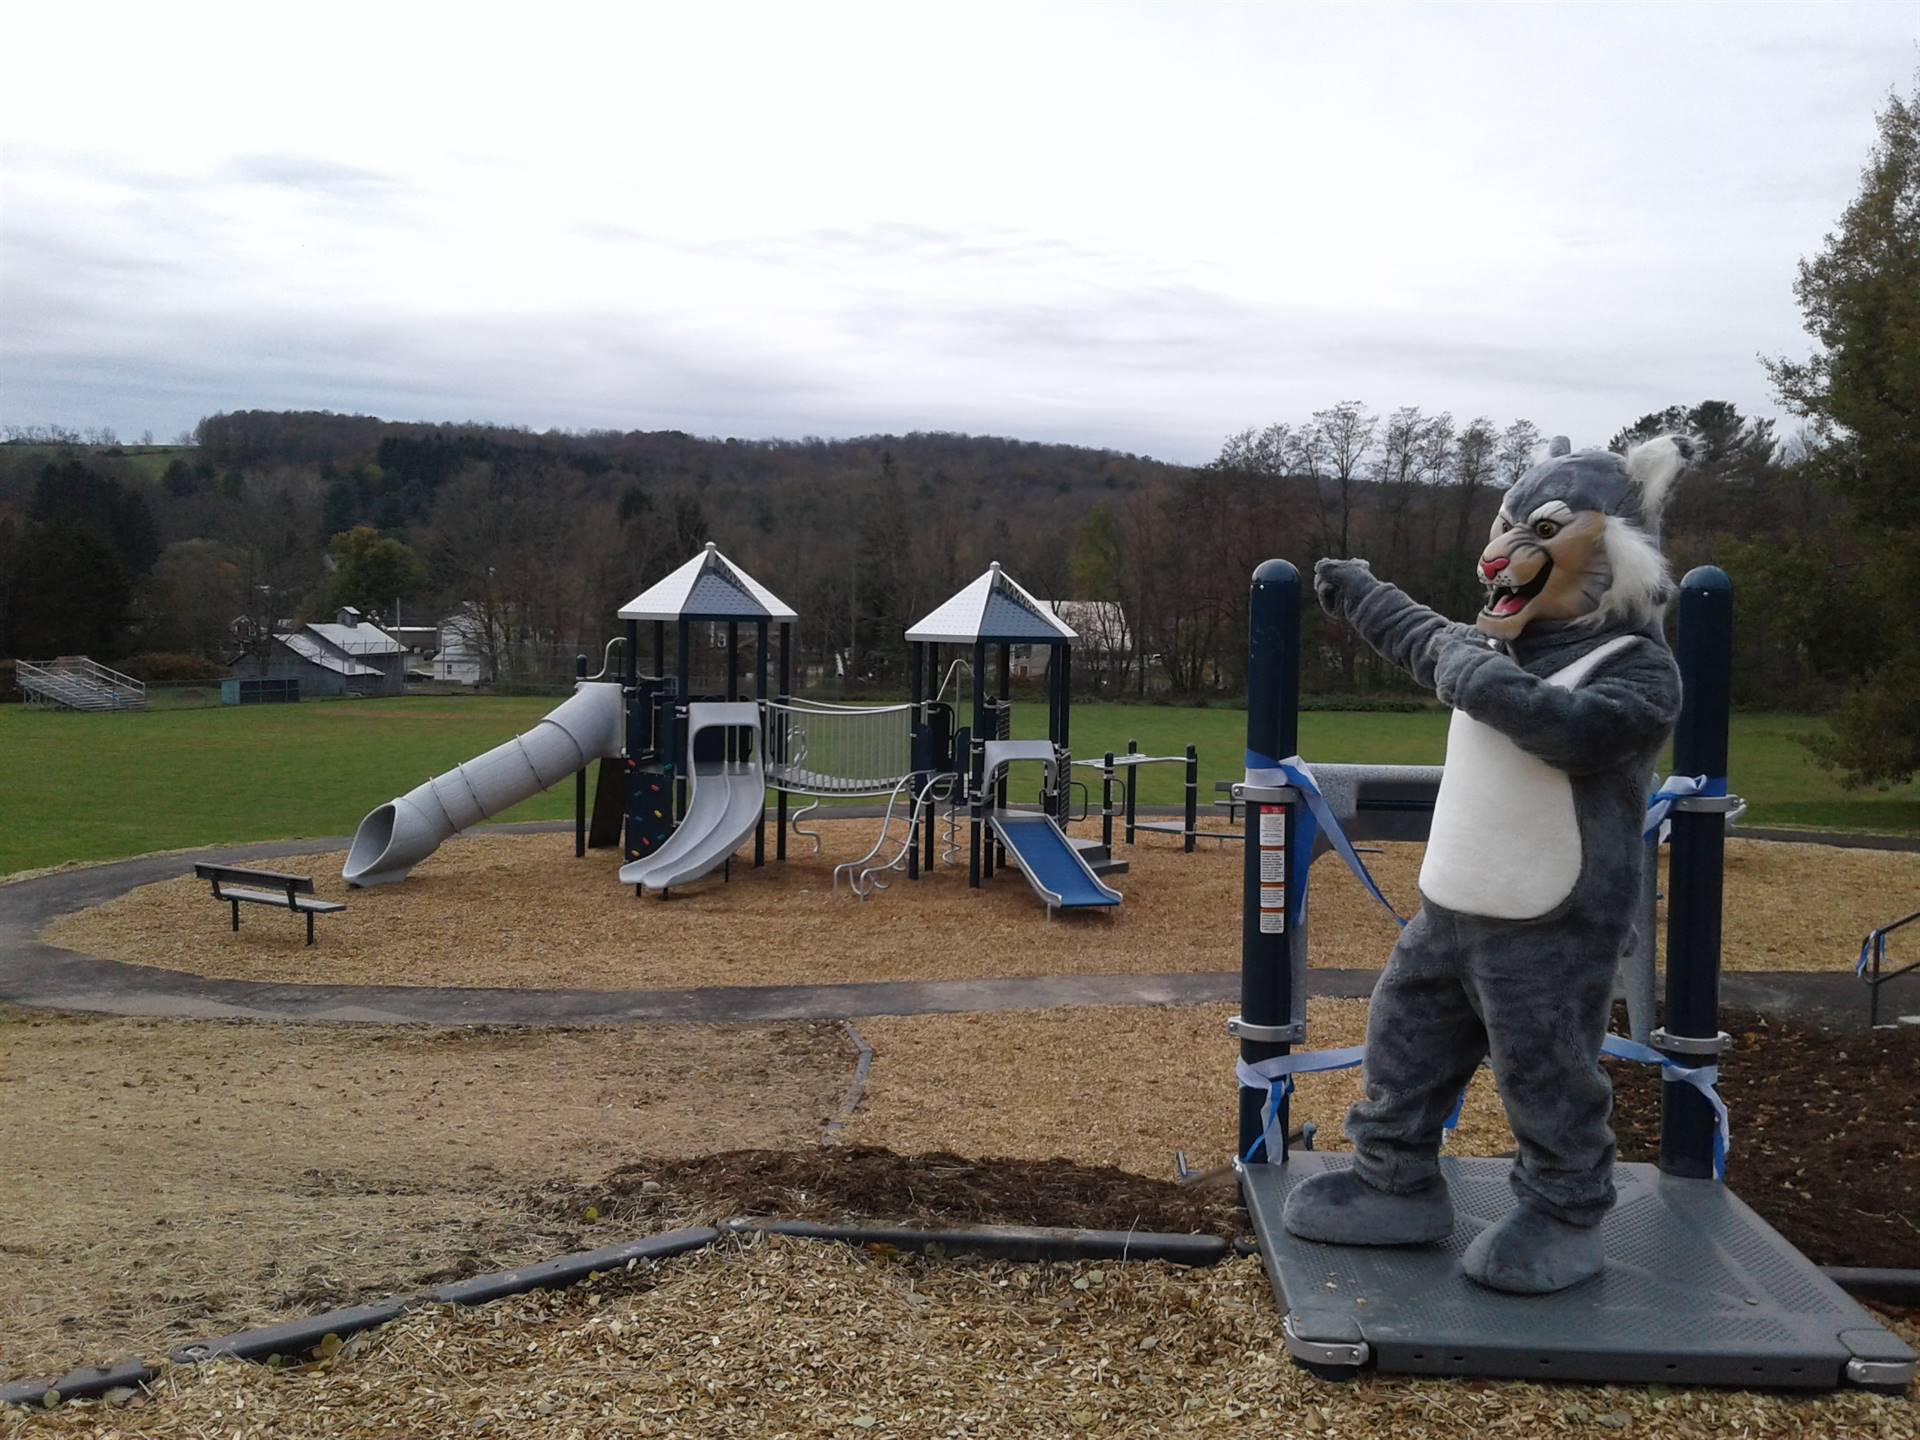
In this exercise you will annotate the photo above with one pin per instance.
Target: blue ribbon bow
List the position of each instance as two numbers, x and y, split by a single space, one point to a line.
1677 787
1263 770
1702 1077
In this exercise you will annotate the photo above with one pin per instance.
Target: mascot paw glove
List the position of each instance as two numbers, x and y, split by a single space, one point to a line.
1459 653
1341 583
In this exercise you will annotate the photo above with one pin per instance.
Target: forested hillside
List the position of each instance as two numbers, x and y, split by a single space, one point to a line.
116 551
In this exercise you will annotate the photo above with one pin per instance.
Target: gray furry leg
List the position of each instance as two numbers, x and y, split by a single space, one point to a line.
1423 1042
1545 993
1546 1001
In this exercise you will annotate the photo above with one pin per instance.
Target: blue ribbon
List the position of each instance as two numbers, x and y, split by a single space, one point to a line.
1875 943
1263 770
1275 1076
1702 1077
1677 787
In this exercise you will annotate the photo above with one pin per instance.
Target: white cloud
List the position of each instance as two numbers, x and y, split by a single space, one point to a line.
1143 226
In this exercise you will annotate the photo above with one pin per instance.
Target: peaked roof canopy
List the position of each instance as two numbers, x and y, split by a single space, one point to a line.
707 587
994 607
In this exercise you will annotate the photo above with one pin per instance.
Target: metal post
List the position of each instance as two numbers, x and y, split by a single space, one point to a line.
932 688
579 781
785 697
920 743
997 857
1697 849
1133 782
1273 732
631 667
760 694
976 763
1106 801
1193 796
1064 654
682 753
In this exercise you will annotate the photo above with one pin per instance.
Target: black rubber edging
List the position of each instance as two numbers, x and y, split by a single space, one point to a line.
299 1337
1006 1242
1890 1287
86 1383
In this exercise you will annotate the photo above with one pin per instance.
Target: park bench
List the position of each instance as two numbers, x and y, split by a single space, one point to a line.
289 892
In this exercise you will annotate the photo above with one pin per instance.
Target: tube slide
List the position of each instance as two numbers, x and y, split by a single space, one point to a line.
403 832
725 803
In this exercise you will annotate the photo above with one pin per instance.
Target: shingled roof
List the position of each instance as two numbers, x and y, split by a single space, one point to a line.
708 587
996 608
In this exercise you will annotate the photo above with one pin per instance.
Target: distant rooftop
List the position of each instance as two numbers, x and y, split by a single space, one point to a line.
708 587
994 607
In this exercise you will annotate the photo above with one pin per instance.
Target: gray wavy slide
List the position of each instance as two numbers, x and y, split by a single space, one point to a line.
725 803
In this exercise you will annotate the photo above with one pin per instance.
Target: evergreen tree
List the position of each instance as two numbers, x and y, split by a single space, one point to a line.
1861 389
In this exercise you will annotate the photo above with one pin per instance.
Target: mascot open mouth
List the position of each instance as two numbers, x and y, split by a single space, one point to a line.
1504 600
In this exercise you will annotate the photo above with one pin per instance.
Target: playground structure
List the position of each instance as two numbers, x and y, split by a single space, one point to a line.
683 777
1697 1289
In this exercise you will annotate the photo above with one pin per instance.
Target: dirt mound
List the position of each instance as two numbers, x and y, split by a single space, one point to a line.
1826 1133
872 1184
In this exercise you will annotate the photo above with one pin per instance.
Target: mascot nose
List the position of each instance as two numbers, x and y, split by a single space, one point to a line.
1493 567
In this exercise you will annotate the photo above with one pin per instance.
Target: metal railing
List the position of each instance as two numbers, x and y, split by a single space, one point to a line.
820 748
864 874
1873 956
74 682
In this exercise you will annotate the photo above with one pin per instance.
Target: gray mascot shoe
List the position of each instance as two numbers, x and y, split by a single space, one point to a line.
1339 1208
1529 1252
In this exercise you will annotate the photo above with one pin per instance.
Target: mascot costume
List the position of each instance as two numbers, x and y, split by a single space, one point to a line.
1563 693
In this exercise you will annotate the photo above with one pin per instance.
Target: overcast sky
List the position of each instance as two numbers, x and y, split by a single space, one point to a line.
1142 227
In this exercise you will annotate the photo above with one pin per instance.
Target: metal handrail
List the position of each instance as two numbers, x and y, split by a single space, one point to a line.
81 683
866 877
952 670
1873 951
606 658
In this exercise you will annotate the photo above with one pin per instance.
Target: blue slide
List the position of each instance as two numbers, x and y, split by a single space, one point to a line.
1052 866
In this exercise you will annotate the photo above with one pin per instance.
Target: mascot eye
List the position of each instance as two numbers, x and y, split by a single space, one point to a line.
1545 529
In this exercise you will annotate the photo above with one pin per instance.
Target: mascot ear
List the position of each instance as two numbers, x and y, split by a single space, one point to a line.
1654 466
1552 449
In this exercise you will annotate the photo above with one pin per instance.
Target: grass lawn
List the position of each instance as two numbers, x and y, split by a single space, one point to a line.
95 787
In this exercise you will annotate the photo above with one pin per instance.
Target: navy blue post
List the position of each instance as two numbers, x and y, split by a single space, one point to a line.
1106 801
760 694
1133 780
922 740
1193 797
976 762
579 781
682 756
1273 734
1704 648
780 753
1063 737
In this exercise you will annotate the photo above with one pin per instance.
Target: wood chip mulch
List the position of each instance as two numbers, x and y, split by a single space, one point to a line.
780 1338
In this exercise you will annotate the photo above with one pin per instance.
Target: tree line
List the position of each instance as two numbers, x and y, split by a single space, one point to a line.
279 515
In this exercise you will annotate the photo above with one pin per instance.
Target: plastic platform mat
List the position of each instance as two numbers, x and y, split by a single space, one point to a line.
1698 1290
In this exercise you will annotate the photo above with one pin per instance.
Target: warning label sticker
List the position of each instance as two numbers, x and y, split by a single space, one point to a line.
1273 867
1273 922
1273 896
1273 825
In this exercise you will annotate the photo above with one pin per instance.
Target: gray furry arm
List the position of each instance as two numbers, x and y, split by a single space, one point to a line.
1625 709
1398 628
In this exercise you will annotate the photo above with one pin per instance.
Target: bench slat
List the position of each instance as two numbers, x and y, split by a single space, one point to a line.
268 897
301 883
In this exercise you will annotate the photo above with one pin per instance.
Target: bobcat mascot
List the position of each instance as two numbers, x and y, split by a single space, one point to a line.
1563 693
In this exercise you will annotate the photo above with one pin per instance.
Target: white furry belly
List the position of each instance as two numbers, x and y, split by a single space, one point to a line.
1505 840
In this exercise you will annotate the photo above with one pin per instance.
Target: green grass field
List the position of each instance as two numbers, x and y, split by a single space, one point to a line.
95 787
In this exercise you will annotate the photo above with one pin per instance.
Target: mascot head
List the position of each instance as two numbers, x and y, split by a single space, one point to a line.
1578 538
